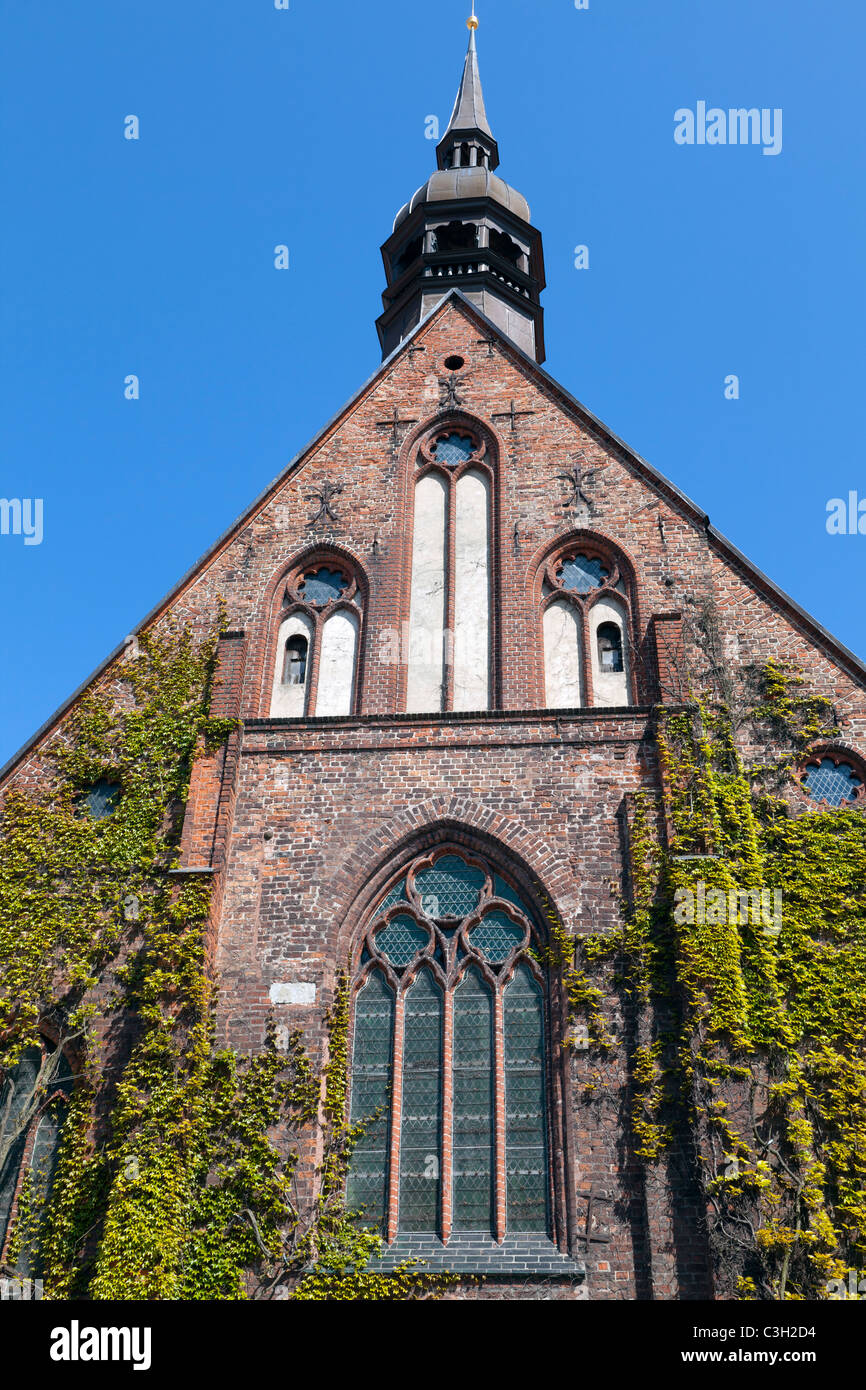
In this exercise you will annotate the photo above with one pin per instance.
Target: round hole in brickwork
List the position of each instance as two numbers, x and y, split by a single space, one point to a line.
455 363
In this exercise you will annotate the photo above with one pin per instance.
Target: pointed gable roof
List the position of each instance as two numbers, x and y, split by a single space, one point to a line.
469 116
469 113
841 654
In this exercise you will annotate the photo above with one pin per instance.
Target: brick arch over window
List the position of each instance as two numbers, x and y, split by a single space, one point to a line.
459 818
584 592
457 1032
452 563
310 643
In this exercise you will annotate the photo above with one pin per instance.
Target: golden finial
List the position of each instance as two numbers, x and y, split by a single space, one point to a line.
472 22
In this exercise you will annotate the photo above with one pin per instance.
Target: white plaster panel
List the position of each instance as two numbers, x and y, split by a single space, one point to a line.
293 992
287 701
427 604
563 666
609 688
337 660
472 592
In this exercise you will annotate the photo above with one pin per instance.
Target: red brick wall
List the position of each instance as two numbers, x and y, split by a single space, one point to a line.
303 822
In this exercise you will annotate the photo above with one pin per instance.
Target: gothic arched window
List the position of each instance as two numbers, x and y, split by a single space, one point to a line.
318 643
449 659
33 1100
449 1057
586 618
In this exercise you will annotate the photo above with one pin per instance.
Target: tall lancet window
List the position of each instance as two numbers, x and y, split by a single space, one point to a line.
449 658
586 622
450 1057
318 641
33 1100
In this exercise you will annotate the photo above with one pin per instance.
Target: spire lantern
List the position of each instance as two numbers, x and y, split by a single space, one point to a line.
468 142
465 229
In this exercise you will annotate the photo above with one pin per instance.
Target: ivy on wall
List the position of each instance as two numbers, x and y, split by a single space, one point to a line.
744 941
179 1170
176 1176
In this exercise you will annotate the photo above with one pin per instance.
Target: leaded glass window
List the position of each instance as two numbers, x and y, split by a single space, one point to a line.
473 1104
526 1164
831 780
496 936
585 617
14 1092
397 894
318 643
582 573
450 888
447 956
100 801
453 449
501 889
34 1148
371 1096
421 1129
401 940
322 586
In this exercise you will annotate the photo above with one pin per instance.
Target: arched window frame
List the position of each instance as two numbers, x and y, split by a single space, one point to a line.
618 588
421 461
837 754
57 1097
288 599
448 971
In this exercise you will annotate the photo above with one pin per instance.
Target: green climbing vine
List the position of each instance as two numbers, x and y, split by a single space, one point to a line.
181 1173
342 1250
178 1172
745 941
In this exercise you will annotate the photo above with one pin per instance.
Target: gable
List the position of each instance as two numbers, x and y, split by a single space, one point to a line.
539 433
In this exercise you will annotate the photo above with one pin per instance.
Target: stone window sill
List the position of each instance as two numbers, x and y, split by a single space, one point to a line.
521 1256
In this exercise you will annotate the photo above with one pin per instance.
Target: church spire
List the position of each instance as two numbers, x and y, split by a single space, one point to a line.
469 141
465 229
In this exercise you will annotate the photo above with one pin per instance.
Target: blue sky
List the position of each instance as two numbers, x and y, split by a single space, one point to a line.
306 127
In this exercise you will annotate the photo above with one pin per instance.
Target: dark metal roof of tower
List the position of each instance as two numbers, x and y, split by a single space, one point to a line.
469 117
468 229
469 112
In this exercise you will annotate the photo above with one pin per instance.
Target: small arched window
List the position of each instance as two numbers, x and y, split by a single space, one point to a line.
609 639
318 643
586 620
100 800
295 663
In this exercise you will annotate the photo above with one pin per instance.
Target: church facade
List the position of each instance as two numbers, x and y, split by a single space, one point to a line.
450 626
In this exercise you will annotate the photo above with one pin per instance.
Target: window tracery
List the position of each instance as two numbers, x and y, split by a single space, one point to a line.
586 625
318 643
449 1056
